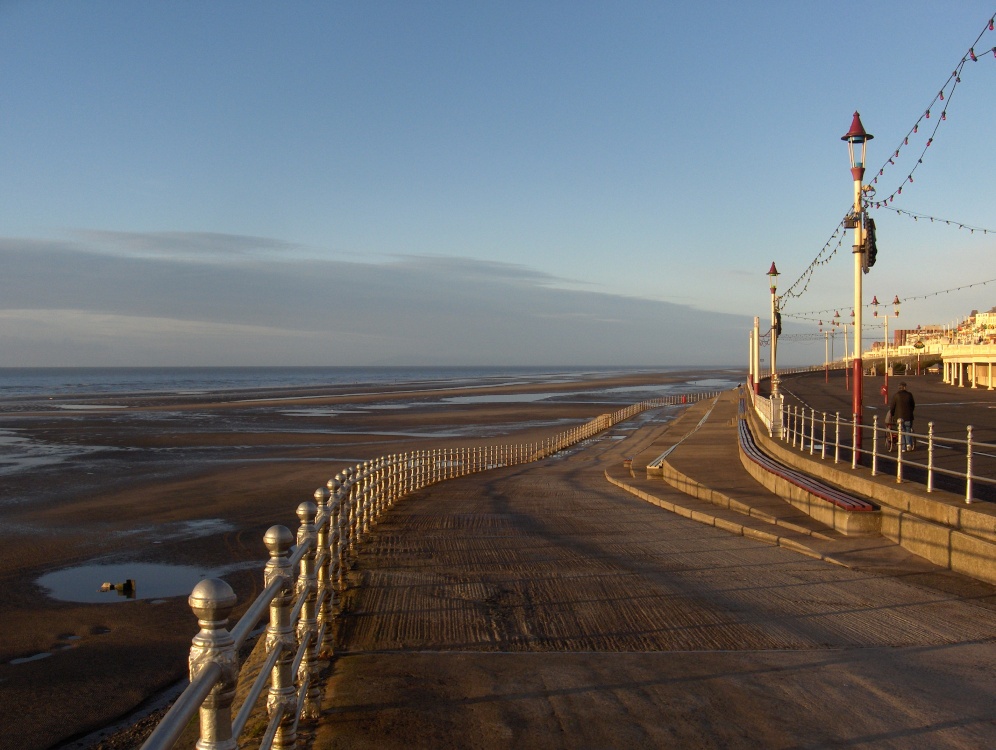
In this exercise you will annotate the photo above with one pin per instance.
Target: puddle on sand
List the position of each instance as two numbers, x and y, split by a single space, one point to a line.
33 657
181 530
152 581
503 398
19 453
89 407
64 642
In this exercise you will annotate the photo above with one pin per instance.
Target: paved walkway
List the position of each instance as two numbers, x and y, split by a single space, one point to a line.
544 606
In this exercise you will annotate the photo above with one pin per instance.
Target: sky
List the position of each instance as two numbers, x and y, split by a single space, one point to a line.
485 183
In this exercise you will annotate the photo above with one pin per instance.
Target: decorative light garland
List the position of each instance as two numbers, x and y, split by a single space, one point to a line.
932 219
912 298
820 260
953 80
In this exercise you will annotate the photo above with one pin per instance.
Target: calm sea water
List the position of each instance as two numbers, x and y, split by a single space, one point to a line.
31 381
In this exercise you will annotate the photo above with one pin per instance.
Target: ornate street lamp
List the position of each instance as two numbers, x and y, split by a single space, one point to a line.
776 325
857 141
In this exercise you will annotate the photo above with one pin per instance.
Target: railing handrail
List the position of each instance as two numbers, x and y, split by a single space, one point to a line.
301 606
798 428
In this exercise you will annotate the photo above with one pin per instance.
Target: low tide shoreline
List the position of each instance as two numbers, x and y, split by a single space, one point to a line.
195 480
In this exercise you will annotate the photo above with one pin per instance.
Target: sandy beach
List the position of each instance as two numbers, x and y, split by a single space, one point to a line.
195 480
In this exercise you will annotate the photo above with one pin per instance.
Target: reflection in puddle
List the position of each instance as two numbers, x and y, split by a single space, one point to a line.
182 529
504 398
89 407
64 642
312 412
714 383
33 657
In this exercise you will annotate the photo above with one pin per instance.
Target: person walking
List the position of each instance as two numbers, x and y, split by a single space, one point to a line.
901 412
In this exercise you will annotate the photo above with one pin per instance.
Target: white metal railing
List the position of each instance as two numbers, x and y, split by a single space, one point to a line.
812 432
304 578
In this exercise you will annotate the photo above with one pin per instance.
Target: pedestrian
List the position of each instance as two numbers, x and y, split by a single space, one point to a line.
901 412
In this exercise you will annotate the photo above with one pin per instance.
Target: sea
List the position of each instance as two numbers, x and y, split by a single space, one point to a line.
20 382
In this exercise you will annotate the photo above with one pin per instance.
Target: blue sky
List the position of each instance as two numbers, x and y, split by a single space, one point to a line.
472 183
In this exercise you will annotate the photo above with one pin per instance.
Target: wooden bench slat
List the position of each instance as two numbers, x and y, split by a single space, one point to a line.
831 494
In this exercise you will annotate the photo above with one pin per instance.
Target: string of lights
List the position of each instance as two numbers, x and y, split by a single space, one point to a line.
822 258
912 298
939 100
830 248
932 219
765 338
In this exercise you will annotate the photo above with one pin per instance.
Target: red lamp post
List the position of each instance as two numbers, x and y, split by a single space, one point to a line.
857 137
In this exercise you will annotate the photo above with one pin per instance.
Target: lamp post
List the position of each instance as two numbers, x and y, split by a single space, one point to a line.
757 355
775 326
826 353
855 137
895 304
847 374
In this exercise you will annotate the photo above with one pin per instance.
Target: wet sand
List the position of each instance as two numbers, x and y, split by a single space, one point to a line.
196 480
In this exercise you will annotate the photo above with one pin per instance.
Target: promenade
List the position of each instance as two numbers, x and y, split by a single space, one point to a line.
574 603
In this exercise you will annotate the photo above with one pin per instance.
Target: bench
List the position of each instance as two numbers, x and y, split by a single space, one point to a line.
832 495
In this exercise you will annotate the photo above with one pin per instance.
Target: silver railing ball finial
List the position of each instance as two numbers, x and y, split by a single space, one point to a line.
212 601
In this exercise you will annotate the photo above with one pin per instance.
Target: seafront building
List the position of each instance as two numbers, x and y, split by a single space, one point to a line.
966 348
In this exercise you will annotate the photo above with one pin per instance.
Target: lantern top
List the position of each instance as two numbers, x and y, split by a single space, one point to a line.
773 271
857 132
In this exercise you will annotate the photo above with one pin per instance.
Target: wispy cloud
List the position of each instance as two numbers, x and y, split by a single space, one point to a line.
204 246
242 302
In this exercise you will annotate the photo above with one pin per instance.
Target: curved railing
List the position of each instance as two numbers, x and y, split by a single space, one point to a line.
818 432
301 606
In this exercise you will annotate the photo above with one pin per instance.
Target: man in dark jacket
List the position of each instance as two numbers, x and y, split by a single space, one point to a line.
901 411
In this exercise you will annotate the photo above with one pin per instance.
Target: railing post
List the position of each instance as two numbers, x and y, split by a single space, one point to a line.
875 445
282 696
307 625
812 431
836 439
364 499
396 474
212 601
968 470
899 451
930 456
823 440
323 615
354 507
339 537
854 444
